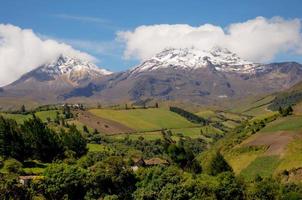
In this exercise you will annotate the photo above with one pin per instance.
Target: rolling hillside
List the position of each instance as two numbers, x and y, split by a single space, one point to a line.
289 97
271 150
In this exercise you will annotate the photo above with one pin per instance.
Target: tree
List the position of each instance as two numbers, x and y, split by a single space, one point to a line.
96 132
40 142
67 111
23 110
74 141
85 129
183 156
229 187
57 118
188 115
11 139
213 163
264 189
12 166
112 177
285 111
63 181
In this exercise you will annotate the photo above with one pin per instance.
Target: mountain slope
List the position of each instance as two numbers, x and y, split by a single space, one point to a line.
193 76
191 59
290 97
48 81
185 75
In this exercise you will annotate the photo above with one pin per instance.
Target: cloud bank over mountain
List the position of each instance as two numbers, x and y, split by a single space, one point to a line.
258 40
21 50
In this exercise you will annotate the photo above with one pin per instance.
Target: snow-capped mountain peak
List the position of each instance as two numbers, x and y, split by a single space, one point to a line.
222 59
68 65
65 69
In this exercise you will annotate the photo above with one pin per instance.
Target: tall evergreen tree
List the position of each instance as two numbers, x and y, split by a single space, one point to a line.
74 141
23 109
40 142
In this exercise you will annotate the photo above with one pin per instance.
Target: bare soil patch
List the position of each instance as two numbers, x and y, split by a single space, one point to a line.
106 126
276 141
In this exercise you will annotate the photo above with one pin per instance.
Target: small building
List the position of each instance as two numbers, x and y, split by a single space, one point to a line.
156 161
140 162
25 180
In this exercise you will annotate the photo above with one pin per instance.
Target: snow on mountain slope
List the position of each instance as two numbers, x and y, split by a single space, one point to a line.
69 66
73 71
222 59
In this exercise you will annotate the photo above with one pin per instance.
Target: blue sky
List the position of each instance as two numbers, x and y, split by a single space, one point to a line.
95 22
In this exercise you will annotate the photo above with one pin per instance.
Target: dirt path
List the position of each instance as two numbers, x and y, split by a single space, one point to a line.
106 126
276 142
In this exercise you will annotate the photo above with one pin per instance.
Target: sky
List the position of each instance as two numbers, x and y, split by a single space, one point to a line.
119 34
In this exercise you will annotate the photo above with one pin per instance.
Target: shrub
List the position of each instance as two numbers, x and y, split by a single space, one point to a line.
13 166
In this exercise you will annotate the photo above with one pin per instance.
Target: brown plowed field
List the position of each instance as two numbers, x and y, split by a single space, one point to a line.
105 126
276 141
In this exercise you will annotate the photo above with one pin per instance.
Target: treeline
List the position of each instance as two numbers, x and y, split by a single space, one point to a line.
34 140
285 100
189 116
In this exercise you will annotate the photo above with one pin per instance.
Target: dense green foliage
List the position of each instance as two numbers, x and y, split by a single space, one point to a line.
188 115
286 111
11 141
34 140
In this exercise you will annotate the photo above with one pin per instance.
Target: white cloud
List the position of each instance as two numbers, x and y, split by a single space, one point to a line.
21 50
258 40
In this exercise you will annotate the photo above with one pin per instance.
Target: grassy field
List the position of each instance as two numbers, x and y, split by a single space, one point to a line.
258 111
176 133
206 114
254 107
293 156
230 124
144 119
241 161
42 114
264 166
98 148
290 123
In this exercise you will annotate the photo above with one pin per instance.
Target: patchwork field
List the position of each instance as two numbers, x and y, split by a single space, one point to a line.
240 160
103 125
275 141
262 165
275 148
144 119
